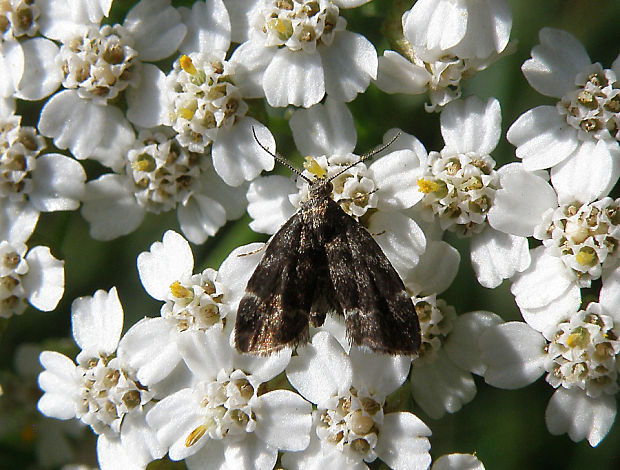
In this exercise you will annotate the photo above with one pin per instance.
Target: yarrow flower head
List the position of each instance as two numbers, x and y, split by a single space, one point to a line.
293 52
459 183
96 63
584 236
192 302
576 348
351 422
222 421
203 101
161 175
562 137
100 390
444 43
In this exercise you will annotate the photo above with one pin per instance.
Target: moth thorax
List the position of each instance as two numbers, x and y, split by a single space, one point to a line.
321 189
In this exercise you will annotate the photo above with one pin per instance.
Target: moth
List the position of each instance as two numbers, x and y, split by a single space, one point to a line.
323 261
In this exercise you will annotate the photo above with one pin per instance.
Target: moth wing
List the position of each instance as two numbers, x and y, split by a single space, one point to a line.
379 314
274 312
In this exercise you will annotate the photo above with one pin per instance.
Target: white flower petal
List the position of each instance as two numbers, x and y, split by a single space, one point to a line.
555 62
146 106
74 123
111 208
457 462
544 281
294 78
542 137
166 262
439 386
522 200
236 269
579 415
17 221
156 28
250 454
435 25
284 420
139 440
11 67
395 74
403 442
56 405
62 18
149 347
400 238
353 53
41 76
58 183
119 137
380 374
232 198
488 29
546 319
268 202
262 368
471 125
45 281
324 129
60 382
609 296
321 369
250 60
514 354
437 268
97 322
174 418
395 175
462 344
210 457
205 353
237 157
200 217
589 174
496 256
208 27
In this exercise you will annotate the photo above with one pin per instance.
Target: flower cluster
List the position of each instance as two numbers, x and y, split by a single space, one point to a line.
151 107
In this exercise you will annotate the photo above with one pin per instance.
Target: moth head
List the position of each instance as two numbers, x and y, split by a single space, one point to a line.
321 188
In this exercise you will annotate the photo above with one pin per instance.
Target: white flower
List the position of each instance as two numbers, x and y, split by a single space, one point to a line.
47 182
160 175
33 276
201 100
296 52
98 62
350 424
377 195
588 112
457 462
578 350
193 302
100 390
460 184
221 421
441 378
444 42
582 232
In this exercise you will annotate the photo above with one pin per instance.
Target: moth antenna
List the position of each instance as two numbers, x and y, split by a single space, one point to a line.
368 155
280 158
